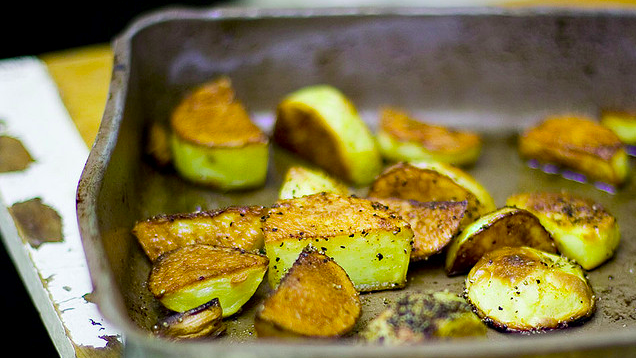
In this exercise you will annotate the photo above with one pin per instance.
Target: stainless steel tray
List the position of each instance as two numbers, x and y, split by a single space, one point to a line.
493 70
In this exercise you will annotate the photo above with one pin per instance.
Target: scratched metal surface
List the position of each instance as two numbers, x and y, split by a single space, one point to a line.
491 70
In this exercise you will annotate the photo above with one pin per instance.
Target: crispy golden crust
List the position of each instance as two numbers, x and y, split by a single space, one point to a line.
504 227
565 209
524 289
406 181
315 298
211 116
238 227
579 143
434 223
434 138
192 264
327 215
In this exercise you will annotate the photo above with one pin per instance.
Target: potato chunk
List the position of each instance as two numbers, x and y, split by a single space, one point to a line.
371 242
417 317
322 126
580 144
238 227
315 298
623 123
202 321
404 138
433 181
214 142
434 223
300 181
500 228
525 289
583 230
192 275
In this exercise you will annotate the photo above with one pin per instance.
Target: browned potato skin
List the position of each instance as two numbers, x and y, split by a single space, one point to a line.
514 228
316 298
211 116
578 143
191 264
238 227
405 181
203 321
434 223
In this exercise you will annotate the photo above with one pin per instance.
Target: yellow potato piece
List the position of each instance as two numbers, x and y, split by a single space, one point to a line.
300 181
525 289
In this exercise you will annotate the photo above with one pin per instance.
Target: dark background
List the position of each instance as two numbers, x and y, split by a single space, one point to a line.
33 29
30 28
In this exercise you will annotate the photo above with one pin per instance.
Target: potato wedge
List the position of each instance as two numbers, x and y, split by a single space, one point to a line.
214 142
315 298
203 321
191 275
238 227
417 317
403 138
500 228
583 230
433 181
623 123
525 289
322 126
371 242
434 223
580 144
300 181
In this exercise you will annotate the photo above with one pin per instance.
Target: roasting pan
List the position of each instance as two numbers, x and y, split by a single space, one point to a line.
493 70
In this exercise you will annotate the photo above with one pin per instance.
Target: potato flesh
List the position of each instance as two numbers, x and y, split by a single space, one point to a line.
315 298
369 241
322 126
503 227
300 181
524 289
214 142
434 223
238 227
431 181
192 275
403 138
580 144
622 123
417 317
583 230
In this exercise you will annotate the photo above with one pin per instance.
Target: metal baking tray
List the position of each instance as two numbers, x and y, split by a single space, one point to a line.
493 70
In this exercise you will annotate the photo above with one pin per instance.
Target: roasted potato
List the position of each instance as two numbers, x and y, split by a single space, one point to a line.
417 317
371 242
321 125
238 227
583 230
433 181
525 289
300 181
191 275
434 223
214 142
403 138
623 123
203 321
504 227
580 144
315 298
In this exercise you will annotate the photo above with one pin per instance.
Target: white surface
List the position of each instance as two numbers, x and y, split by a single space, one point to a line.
32 111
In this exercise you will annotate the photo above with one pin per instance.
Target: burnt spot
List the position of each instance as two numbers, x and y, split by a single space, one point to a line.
13 155
37 223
